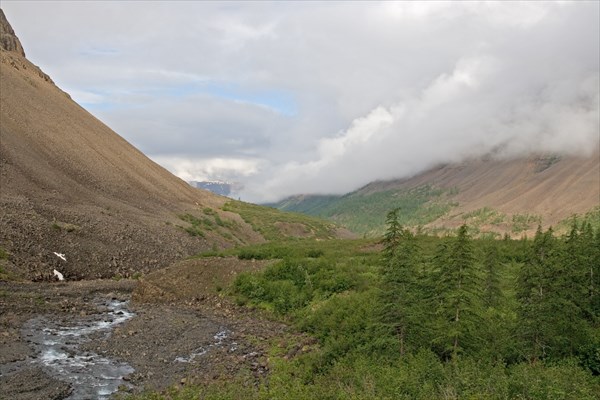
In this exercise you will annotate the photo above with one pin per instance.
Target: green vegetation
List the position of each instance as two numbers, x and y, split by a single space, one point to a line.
418 317
209 221
64 226
591 217
5 275
483 216
273 224
197 225
3 254
524 222
363 213
546 162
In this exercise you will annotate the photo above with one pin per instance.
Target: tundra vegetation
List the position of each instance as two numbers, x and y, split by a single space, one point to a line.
420 317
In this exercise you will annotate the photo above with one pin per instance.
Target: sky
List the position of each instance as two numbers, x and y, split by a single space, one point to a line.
324 97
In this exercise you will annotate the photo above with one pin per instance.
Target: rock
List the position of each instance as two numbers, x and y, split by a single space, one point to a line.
8 40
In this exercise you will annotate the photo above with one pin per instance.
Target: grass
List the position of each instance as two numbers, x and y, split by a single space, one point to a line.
3 254
484 216
272 223
5 275
196 227
64 226
591 217
524 222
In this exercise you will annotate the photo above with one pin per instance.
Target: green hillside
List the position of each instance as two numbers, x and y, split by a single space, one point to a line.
365 213
274 224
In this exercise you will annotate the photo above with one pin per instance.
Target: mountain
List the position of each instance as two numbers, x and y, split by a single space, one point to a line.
216 187
71 186
493 196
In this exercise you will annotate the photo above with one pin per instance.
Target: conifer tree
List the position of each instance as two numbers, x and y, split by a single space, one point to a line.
551 322
491 263
401 302
532 287
392 234
589 259
594 278
458 296
576 261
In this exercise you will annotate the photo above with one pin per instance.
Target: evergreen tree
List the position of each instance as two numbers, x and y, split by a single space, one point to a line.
577 263
589 267
491 263
532 287
551 322
392 234
400 292
458 296
594 278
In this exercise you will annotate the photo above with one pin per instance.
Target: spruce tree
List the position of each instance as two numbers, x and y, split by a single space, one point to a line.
400 300
550 320
392 234
594 278
491 264
532 287
458 296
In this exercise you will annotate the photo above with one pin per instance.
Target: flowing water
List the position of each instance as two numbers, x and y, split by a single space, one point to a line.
57 349
219 339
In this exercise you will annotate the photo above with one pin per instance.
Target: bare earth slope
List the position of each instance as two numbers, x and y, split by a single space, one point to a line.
69 184
494 196
552 187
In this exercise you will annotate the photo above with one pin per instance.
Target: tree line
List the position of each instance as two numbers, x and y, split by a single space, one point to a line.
457 303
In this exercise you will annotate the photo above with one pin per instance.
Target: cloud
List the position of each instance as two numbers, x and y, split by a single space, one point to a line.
292 97
222 169
453 118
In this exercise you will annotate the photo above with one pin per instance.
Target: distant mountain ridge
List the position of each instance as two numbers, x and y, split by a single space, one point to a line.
495 196
217 187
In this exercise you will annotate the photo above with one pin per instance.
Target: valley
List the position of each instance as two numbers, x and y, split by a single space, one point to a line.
477 279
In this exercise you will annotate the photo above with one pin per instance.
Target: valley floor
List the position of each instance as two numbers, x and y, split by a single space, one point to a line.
179 342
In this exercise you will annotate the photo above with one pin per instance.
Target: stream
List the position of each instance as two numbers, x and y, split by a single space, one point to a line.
57 349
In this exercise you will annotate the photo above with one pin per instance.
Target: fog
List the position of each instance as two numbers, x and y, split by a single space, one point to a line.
314 97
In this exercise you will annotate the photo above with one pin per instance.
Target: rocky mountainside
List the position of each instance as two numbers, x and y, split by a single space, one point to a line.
71 186
8 39
494 196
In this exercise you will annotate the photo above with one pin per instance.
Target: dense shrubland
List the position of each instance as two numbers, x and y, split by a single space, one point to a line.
417 317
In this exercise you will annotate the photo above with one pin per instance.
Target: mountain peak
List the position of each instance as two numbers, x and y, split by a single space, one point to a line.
8 40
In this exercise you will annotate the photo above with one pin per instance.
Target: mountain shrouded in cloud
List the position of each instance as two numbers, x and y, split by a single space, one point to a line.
325 97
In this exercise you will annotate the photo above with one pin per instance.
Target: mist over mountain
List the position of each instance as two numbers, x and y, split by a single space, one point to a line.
494 196
326 97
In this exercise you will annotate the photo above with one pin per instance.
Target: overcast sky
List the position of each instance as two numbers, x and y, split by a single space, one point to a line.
312 97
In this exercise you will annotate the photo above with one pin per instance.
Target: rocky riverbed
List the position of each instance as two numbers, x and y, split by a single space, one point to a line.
87 339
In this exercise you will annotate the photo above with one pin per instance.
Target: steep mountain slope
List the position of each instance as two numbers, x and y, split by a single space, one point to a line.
72 186
511 195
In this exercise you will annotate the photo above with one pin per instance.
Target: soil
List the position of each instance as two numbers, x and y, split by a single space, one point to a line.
194 337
